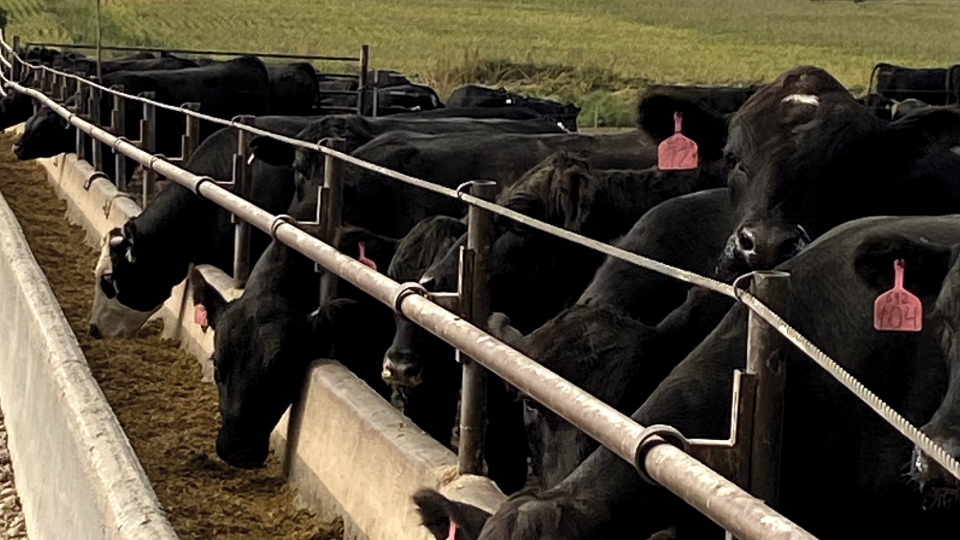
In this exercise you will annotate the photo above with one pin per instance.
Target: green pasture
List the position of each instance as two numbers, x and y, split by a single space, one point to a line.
598 53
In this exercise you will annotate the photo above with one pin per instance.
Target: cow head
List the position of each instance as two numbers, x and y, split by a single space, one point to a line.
942 488
414 351
45 134
263 343
122 295
15 108
804 156
932 270
262 347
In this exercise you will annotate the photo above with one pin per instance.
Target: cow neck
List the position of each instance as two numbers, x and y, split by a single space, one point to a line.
284 273
175 227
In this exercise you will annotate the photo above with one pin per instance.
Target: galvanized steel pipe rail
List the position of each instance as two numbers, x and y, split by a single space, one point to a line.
721 500
202 53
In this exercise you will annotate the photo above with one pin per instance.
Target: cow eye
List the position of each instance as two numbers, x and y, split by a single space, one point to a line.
531 409
108 286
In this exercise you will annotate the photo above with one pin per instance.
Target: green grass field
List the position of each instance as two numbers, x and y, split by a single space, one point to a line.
599 53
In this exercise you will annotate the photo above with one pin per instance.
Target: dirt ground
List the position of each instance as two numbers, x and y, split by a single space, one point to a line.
169 415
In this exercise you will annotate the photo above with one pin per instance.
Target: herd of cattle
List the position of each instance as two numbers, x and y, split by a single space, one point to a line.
795 175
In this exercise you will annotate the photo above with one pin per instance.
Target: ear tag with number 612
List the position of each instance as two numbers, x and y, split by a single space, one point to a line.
897 309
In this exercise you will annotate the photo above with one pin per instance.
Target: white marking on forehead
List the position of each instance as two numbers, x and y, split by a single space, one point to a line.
805 99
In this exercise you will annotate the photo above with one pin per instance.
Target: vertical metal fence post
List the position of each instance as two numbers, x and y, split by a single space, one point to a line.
476 285
362 86
191 135
118 124
81 110
332 216
94 108
45 81
55 88
765 359
375 98
148 143
17 67
64 88
241 179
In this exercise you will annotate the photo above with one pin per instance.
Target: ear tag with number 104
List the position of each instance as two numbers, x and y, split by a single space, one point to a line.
897 309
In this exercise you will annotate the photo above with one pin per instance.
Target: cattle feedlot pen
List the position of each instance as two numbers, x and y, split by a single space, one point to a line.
900 423
719 499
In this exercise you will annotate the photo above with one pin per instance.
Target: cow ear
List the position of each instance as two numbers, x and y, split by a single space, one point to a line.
379 249
926 263
925 132
207 300
500 327
439 512
272 151
708 128
130 232
575 197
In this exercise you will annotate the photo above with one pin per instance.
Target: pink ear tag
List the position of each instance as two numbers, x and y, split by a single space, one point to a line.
897 309
362 258
677 152
453 530
200 316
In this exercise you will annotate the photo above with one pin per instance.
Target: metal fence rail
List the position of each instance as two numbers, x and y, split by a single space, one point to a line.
162 50
611 428
363 67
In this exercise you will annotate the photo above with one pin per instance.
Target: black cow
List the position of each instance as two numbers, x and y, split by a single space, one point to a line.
294 89
357 131
598 341
535 275
88 67
803 156
142 261
265 339
906 107
806 157
506 113
400 99
480 96
722 99
880 106
387 207
16 107
931 85
224 90
842 466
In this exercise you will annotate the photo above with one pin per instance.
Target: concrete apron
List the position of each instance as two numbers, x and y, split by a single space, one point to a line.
77 475
352 454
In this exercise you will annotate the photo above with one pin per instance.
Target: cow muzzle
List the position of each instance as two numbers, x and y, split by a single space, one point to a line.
243 453
398 371
759 246
942 489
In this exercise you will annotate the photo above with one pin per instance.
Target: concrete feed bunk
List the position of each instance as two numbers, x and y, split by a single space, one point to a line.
77 475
